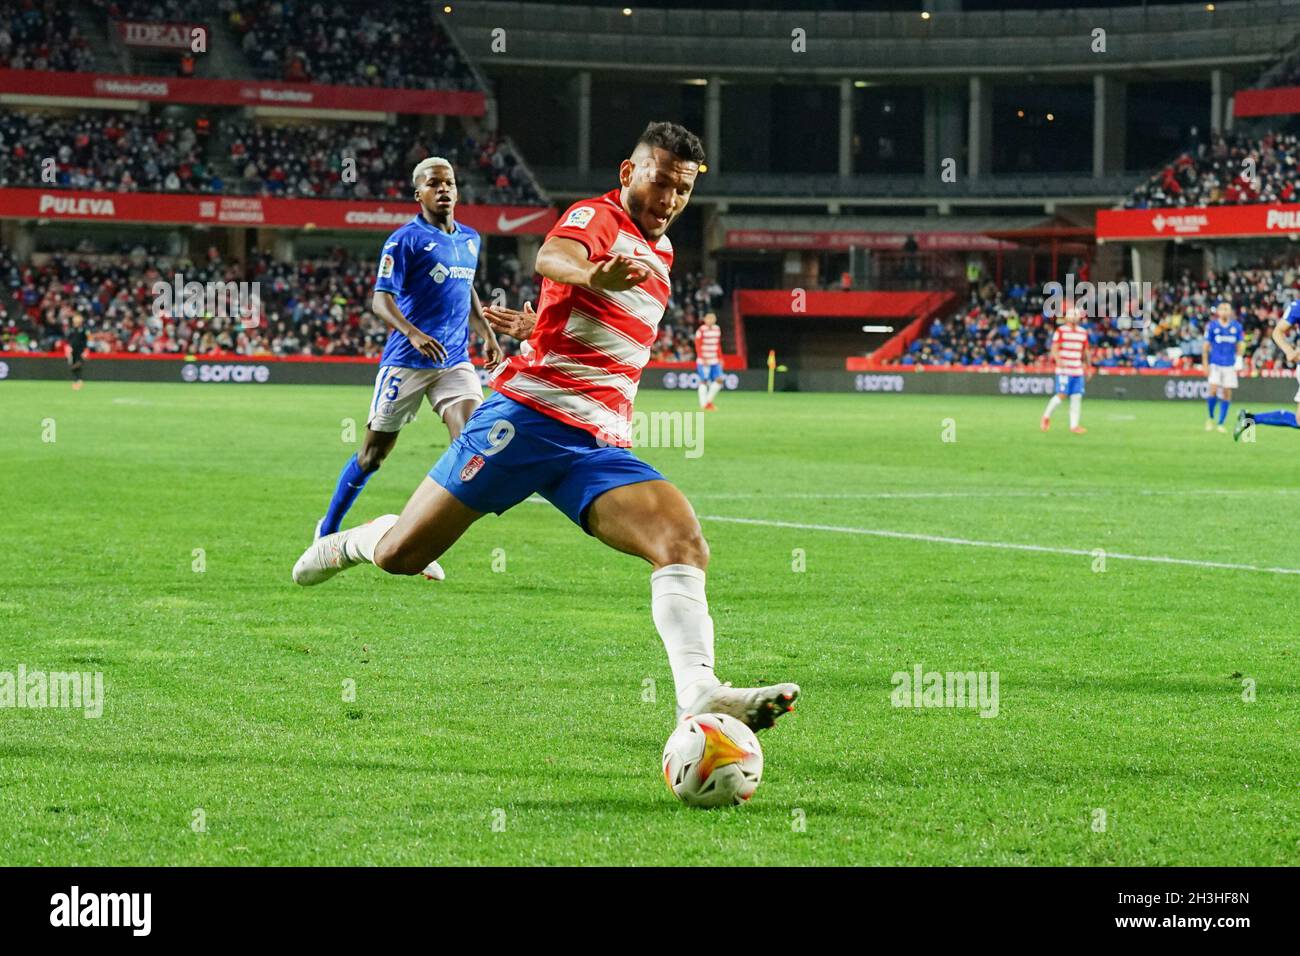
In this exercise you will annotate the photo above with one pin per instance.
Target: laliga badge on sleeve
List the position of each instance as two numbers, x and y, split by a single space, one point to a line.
579 218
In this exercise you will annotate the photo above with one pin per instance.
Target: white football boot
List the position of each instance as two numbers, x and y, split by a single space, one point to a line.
756 707
322 560
325 558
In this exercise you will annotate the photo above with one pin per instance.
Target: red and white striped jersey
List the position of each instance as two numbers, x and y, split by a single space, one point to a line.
584 359
1072 340
708 345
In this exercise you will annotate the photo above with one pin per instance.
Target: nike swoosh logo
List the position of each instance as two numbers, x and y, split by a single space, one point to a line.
505 224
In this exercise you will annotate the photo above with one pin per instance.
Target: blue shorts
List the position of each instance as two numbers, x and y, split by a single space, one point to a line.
508 451
708 373
1069 384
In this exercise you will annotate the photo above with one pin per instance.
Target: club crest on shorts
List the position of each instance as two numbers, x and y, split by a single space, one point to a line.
472 467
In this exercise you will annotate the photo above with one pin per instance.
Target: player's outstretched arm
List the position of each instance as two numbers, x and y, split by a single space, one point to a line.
565 260
384 305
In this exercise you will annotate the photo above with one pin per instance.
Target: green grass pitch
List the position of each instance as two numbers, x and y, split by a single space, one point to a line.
499 717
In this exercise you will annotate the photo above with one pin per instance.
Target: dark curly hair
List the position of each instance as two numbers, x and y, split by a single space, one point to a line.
677 139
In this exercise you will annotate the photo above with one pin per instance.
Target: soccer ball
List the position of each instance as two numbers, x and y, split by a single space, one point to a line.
712 760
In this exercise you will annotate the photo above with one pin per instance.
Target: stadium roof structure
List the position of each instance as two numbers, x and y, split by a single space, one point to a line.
956 44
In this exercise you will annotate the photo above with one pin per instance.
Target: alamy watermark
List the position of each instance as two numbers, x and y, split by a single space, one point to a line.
675 429
922 688
1131 301
227 300
40 689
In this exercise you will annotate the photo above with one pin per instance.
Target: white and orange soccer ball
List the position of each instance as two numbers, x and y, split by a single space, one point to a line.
712 760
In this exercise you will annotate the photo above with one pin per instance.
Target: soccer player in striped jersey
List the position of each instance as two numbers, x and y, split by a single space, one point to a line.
424 292
1225 340
1283 417
1070 353
559 425
708 361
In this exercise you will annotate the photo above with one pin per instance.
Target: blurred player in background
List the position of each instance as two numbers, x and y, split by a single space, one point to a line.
1282 417
1071 355
560 421
424 292
1225 341
708 361
75 349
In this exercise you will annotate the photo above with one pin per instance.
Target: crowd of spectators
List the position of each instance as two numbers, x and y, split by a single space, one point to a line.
314 306
345 42
162 11
41 35
310 307
1226 170
693 294
157 152
104 150
349 42
309 161
1005 326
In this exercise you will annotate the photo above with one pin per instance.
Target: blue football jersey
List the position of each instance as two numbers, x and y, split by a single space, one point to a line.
1223 341
1292 314
431 275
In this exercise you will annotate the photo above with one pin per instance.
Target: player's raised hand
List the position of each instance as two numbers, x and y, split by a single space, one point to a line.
428 346
512 322
618 274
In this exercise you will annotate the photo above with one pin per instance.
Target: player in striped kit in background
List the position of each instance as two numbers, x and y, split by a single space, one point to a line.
1070 353
708 361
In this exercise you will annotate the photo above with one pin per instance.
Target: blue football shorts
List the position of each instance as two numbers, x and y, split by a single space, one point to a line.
1069 384
708 373
508 451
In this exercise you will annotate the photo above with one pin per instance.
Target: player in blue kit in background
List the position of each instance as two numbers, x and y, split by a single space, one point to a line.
424 292
1225 341
1283 417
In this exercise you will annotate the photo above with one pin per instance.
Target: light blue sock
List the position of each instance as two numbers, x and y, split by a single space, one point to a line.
1211 402
351 480
1285 419
1223 410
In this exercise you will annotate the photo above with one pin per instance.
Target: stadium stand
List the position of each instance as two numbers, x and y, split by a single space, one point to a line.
150 152
350 43
1005 326
118 152
41 36
317 306
306 161
1216 173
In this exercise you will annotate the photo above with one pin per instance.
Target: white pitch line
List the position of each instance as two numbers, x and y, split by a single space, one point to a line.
923 495
1000 545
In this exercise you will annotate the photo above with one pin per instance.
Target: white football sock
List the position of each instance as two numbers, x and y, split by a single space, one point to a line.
714 388
681 615
1076 405
703 391
359 542
1052 405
